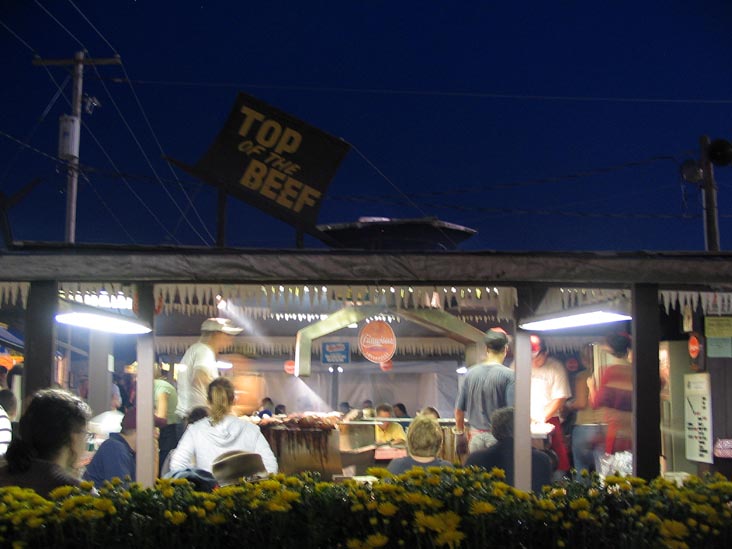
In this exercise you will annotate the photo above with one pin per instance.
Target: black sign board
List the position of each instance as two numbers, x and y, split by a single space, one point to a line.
273 161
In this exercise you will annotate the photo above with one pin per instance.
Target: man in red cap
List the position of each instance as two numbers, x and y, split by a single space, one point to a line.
549 391
116 455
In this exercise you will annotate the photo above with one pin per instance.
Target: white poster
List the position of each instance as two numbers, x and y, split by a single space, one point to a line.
698 417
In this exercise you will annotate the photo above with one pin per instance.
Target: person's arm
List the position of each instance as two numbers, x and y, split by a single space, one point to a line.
511 391
581 394
161 405
553 407
268 458
184 452
201 378
6 432
459 420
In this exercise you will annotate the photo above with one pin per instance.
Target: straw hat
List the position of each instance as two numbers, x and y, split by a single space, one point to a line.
231 467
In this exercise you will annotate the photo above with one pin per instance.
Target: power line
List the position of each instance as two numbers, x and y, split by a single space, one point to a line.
409 200
435 93
147 121
124 120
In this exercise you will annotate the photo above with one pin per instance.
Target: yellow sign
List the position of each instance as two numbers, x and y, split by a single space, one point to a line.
718 326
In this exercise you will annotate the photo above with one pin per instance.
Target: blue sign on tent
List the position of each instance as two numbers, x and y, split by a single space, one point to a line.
335 353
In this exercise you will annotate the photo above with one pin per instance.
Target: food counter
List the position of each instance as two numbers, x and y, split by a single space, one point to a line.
324 444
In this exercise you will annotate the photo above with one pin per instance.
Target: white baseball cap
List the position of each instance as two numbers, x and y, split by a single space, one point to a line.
220 325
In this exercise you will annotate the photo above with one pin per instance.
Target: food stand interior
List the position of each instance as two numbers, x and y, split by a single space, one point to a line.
434 357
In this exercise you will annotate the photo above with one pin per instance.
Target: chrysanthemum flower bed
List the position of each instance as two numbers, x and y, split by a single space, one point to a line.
439 507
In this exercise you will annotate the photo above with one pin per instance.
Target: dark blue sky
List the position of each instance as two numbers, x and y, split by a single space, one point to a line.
476 111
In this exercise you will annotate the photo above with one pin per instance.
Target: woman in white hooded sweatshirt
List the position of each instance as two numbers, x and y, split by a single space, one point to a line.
222 431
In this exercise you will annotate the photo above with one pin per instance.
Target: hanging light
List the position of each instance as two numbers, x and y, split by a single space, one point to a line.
92 318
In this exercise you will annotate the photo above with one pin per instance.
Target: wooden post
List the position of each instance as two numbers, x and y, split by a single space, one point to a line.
646 382
522 416
40 335
146 447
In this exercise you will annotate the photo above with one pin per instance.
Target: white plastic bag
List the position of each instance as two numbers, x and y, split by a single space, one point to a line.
619 463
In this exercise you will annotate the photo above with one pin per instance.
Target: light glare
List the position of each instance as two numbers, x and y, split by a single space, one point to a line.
574 321
102 323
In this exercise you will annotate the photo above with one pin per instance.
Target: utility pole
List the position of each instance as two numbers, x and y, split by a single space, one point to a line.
709 190
70 128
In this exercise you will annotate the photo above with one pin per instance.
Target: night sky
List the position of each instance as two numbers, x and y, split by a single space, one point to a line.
543 125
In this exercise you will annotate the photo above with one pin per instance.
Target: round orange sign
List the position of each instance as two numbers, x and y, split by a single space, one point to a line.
694 346
377 341
290 367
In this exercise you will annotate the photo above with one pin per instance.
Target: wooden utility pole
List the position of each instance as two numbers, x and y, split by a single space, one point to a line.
709 189
72 126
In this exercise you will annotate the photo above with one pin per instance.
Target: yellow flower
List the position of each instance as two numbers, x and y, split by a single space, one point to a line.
92 514
216 518
34 522
86 485
377 540
674 529
373 521
482 508
579 503
176 517
584 515
387 509
209 505
60 492
457 492
168 492
354 544
450 537
277 507
269 484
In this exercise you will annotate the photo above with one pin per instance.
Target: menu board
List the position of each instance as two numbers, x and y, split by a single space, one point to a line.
698 417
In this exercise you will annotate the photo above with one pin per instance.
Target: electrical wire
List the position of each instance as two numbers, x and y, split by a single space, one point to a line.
127 125
149 125
436 93
408 200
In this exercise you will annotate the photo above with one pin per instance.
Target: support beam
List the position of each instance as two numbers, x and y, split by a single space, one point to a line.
40 335
522 417
101 348
646 382
146 447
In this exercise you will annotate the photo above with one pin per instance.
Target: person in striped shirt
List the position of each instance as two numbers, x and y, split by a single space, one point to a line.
8 408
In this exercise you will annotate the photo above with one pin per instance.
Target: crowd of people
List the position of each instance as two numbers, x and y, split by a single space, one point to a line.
198 432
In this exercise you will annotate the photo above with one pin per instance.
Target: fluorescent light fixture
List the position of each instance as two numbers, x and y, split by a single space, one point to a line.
574 319
81 316
221 365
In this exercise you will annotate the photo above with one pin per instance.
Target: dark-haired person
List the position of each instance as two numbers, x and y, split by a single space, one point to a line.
487 386
206 439
8 408
501 454
116 456
424 441
52 438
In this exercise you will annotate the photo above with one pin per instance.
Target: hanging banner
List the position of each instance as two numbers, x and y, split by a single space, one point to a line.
377 342
271 160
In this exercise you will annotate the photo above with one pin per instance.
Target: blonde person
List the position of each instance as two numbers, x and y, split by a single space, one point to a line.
206 439
388 432
424 441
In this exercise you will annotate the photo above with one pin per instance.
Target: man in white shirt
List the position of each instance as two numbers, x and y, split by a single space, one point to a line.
198 366
549 391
